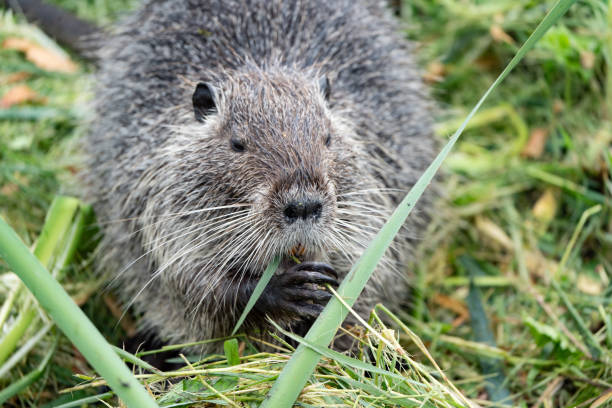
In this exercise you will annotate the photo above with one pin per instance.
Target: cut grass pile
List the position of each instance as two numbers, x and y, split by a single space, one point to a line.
512 288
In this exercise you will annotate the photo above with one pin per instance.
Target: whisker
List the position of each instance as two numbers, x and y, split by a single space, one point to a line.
124 269
180 253
373 190
172 215
202 224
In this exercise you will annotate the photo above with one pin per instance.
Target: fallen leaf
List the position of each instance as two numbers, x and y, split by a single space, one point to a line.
603 275
39 56
487 61
605 397
50 61
459 321
14 43
535 145
14 77
435 72
494 232
545 208
551 389
18 95
588 285
587 59
454 305
539 266
9 189
499 35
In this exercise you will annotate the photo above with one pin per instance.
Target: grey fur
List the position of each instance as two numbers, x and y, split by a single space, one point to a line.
153 170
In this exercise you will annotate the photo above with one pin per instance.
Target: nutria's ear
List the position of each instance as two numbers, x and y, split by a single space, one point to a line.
324 86
203 101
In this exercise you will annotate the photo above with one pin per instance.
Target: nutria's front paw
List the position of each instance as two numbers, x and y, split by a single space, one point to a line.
300 291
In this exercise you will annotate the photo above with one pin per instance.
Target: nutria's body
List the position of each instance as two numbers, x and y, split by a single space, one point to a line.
273 158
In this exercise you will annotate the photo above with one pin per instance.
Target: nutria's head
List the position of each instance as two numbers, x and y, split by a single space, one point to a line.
261 167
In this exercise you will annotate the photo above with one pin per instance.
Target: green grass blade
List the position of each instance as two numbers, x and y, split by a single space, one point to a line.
26 380
57 223
127 356
23 351
261 285
71 319
35 113
231 352
54 249
491 367
339 357
16 332
84 402
294 376
379 393
592 343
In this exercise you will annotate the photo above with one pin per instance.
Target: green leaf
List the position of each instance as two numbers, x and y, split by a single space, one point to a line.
29 378
71 319
261 285
544 334
492 368
231 352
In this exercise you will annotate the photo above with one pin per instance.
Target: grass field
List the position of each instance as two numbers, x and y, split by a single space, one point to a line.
513 298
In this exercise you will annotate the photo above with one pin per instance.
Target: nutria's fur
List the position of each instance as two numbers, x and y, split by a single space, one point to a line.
229 131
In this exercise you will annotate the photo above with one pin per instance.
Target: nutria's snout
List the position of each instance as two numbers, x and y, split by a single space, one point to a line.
301 197
307 210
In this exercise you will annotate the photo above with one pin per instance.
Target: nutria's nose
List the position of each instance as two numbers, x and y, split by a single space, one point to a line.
310 209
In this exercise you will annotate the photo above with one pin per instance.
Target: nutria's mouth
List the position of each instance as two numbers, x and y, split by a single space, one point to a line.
297 251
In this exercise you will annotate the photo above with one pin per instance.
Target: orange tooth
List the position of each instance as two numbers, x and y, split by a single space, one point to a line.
298 250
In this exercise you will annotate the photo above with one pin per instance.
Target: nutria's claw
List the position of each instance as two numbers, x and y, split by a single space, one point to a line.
300 290
294 278
315 266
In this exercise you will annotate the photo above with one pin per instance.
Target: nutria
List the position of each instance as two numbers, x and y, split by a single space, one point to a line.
226 132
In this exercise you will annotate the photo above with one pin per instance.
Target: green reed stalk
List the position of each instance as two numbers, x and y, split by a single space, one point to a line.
66 314
295 374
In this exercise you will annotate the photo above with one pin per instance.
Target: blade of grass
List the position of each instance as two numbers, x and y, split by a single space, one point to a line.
181 346
71 319
294 376
11 339
127 356
35 113
608 55
27 379
59 234
84 402
492 368
339 357
593 345
572 242
607 319
24 350
261 285
377 392
567 185
231 352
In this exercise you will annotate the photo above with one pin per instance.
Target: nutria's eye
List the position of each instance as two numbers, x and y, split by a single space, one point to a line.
237 145
203 101
328 140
